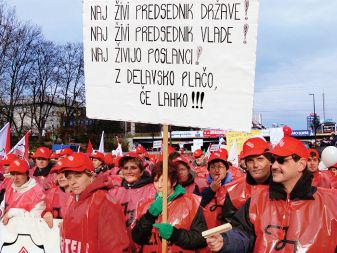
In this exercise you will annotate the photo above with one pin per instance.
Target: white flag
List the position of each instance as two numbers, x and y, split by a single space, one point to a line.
21 148
101 144
233 154
4 141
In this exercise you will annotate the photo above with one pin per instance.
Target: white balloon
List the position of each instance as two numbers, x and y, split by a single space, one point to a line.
329 156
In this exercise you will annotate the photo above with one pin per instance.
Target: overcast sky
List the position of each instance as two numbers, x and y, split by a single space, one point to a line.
296 52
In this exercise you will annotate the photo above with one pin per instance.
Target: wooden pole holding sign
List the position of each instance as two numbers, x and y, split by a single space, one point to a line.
165 178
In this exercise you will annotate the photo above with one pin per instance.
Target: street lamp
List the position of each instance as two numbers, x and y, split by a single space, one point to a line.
314 120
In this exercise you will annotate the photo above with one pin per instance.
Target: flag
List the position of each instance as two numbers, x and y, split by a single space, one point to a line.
119 151
101 144
89 148
5 145
21 149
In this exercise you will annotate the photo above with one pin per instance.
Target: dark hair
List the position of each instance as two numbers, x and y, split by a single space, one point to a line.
172 172
137 161
313 154
218 160
173 155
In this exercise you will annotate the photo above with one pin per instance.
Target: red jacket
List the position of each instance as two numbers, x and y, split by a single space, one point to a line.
130 197
181 214
308 225
322 179
57 202
93 223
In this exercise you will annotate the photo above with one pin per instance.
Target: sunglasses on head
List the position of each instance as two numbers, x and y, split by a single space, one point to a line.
280 159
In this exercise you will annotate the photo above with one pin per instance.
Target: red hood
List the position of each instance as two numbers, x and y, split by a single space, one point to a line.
101 183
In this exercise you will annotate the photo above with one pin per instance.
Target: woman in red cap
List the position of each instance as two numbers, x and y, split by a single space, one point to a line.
136 185
43 166
98 161
185 221
92 223
24 197
58 198
188 178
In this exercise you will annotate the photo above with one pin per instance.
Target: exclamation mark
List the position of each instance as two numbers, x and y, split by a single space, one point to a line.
201 99
198 94
246 8
245 31
193 94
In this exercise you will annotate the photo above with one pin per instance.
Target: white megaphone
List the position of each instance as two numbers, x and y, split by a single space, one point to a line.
329 156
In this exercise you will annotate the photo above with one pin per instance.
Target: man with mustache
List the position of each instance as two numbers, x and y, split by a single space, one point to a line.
289 215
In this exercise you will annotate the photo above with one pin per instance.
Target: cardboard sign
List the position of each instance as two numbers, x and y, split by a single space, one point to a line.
157 144
186 62
238 138
29 235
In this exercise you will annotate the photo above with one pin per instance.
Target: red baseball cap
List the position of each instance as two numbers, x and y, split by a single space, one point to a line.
225 153
59 165
181 159
312 150
254 146
66 151
54 156
128 156
109 159
78 162
42 152
217 155
18 165
333 166
289 146
8 159
197 153
140 150
98 155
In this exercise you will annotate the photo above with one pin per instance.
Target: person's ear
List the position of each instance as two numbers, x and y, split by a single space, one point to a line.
302 164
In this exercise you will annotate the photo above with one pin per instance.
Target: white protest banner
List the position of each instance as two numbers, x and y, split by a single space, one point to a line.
194 148
175 62
198 142
157 144
29 235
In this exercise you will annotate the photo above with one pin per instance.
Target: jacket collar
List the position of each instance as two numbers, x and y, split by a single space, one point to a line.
303 189
251 181
228 178
144 180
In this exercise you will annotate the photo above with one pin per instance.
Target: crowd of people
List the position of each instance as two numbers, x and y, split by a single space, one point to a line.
277 199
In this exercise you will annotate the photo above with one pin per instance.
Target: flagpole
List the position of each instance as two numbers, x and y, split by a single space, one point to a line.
165 178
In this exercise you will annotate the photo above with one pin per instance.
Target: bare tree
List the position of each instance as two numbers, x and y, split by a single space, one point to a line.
45 84
19 60
72 76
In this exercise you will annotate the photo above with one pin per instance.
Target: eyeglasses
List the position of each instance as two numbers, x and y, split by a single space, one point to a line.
280 159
